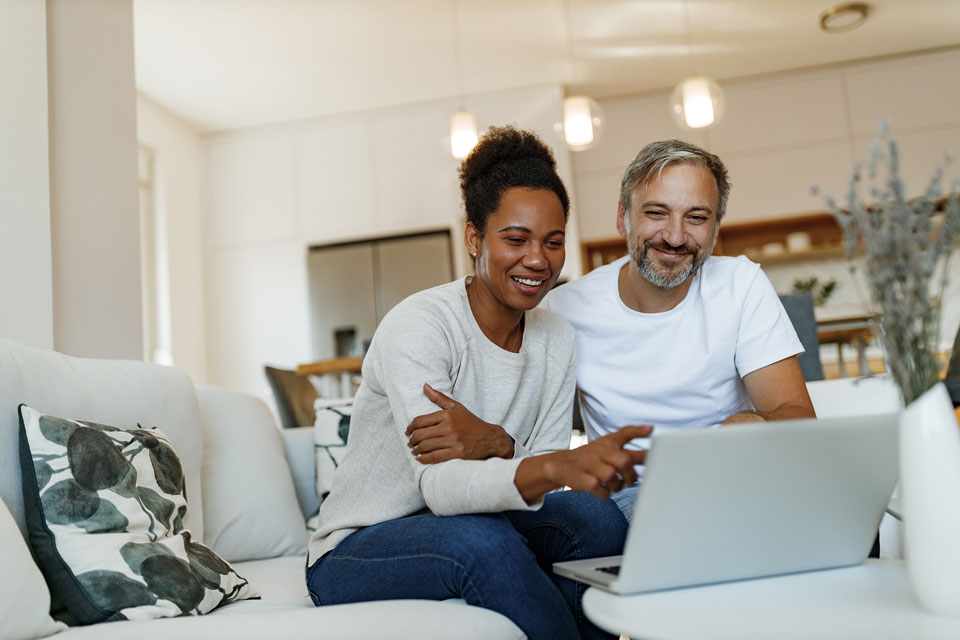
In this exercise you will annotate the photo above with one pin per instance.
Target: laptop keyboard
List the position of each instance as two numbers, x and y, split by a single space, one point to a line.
615 569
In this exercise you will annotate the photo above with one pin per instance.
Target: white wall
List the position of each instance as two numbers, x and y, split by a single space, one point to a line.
26 284
273 192
176 155
69 269
94 209
784 133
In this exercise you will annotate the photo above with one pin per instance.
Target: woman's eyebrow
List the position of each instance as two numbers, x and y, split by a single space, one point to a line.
515 227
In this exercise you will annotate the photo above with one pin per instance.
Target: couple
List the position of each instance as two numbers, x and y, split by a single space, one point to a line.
460 430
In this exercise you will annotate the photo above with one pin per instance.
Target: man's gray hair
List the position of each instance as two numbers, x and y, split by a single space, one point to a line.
656 156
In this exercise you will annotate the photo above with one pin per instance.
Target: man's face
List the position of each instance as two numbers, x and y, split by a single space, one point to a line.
671 227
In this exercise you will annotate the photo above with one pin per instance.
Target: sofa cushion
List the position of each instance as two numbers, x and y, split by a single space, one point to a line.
250 504
330 430
24 598
104 509
106 391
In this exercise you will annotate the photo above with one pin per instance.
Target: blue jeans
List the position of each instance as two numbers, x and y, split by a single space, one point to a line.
626 498
499 561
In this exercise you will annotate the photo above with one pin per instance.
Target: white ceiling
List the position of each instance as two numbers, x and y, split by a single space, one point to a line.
227 64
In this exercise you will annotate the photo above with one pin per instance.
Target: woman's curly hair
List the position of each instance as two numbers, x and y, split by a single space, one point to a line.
506 157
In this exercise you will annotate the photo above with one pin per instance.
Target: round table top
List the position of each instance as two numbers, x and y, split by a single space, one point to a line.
872 600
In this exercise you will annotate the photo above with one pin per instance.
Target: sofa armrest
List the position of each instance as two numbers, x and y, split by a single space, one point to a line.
302 460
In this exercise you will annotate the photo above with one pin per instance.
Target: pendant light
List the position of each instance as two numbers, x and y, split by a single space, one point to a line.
463 134
697 102
463 124
582 116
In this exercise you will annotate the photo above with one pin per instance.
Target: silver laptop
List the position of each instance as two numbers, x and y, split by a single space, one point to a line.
755 500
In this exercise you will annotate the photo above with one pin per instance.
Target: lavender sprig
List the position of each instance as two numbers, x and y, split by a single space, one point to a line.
902 241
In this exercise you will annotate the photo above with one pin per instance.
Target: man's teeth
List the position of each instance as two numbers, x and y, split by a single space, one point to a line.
528 281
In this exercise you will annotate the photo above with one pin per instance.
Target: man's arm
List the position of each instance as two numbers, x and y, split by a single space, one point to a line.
778 392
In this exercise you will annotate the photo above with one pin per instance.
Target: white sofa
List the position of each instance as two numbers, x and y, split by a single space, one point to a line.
243 502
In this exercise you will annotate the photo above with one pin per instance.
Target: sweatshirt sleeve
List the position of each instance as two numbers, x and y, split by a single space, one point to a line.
412 348
555 420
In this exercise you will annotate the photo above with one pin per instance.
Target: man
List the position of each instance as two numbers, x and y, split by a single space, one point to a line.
669 335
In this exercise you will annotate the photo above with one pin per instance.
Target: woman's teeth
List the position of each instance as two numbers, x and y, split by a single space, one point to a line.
528 282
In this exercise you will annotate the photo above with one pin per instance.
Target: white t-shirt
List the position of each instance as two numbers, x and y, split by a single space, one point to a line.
679 368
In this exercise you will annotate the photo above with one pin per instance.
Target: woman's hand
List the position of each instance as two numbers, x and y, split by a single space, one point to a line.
602 467
453 432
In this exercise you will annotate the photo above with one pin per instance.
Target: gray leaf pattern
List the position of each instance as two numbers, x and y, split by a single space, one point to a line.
88 480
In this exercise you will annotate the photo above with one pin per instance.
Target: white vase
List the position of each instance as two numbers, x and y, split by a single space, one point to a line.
930 494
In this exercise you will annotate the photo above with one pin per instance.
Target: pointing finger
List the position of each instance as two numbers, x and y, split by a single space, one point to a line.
626 434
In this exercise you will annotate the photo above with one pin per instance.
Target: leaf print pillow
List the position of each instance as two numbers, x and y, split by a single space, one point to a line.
105 510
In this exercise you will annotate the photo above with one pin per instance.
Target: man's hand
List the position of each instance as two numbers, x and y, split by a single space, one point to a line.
454 432
602 467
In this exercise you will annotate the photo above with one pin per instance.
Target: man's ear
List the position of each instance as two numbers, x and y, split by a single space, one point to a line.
472 240
621 221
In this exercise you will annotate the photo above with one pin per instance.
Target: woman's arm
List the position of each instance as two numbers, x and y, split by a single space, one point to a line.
602 467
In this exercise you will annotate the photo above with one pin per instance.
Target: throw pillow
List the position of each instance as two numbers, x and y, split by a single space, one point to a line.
330 430
24 598
244 460
104 510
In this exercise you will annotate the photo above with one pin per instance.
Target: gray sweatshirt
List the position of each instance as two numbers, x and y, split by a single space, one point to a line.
433 337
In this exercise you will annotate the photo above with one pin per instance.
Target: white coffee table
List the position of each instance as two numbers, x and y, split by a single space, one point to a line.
873 600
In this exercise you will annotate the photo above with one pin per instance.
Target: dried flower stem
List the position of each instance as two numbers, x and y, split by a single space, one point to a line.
902 242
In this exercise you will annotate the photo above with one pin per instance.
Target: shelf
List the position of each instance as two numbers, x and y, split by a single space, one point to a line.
747 238
814 253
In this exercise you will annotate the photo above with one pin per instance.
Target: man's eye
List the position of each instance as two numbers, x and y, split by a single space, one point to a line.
698 219
655 214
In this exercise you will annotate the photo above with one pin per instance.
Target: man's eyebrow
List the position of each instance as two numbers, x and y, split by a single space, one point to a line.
663 205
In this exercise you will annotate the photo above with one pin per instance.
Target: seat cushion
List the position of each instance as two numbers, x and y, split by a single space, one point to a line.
286 611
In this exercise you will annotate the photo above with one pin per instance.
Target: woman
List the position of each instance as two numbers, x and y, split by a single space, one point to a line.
501 372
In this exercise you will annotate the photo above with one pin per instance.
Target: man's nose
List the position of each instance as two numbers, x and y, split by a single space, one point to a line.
673 233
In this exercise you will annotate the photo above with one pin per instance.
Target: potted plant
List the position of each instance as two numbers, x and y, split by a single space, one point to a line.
905 246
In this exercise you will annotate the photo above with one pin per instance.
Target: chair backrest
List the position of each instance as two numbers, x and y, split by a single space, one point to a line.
294 395
799 307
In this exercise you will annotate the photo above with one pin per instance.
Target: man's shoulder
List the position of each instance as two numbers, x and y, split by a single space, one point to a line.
726 268
583 291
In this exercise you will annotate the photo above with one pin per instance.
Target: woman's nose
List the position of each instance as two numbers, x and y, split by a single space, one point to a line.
535 258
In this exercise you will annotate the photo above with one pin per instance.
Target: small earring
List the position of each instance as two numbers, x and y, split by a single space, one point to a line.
473 255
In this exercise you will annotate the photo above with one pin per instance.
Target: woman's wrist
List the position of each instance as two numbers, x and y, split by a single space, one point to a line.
535 476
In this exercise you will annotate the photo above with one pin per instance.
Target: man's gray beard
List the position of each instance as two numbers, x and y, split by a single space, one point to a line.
647 270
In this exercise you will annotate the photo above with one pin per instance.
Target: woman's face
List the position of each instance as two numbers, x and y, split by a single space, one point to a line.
519 256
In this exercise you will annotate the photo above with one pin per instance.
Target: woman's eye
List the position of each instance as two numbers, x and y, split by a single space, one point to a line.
555 244
515 241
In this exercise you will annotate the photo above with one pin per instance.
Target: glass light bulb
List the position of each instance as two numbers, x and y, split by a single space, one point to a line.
577 121
582 122
463 134
697 103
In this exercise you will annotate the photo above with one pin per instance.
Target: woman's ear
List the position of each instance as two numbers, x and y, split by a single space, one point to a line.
472 240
